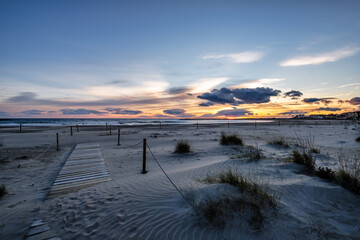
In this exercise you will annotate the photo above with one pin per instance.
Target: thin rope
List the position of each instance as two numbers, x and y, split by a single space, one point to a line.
177 189
132 145
43 152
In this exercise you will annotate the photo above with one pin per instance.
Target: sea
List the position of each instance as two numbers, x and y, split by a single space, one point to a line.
12 122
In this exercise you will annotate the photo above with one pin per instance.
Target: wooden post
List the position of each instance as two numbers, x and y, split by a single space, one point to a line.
20 128
110 129
197 125
144 157
160 125
119 137
228 124
106 127
57 142
255 124
77 128
71 132
279 123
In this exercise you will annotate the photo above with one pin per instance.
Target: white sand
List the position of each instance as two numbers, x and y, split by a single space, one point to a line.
147 206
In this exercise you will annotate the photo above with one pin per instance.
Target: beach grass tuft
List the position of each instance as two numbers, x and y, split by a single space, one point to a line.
303 157
357 139
252 200
3 190
348 172
279 141
230 139
325 173
182 147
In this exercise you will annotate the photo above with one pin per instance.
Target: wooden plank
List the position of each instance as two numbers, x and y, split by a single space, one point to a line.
84 167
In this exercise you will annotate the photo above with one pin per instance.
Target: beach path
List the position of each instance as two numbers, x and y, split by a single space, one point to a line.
84 167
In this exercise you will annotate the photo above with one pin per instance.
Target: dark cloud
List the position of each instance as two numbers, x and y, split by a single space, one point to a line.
32 112
175 111
177 90
355 101
206 104
3 114
123 111
240 95
328 109
293 94
178 112
79 111
292 113
236 112
116 82
255 95
51 112
222 96
318 100
29 98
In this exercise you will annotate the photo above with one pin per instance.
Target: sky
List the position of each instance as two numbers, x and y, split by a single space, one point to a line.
178 59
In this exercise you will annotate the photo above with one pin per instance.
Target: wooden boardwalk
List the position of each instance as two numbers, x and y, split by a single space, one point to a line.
84 167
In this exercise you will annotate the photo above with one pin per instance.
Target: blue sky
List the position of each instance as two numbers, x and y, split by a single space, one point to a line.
129 55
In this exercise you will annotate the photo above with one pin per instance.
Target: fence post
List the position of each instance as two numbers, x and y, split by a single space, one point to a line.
144 157
20 128
255 124
77 128
228 124
279 123
119 137
197 125
57 142
71 132
160 125
106 127
110 129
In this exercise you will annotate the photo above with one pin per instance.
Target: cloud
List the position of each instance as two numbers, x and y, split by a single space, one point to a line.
22 97
3 114
205 84
349 85
206 104
259 82
32 112
328 109
293 94
317 100
292 113
79 111
256 95
355 101
235 112
123 111
240 57
332 56
222 96
240 95
177 112
177 90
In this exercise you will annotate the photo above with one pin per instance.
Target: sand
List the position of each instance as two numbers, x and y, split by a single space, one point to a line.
147 206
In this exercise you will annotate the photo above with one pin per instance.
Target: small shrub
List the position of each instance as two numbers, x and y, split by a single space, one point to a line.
280 141
315 150
304 158
182 146
357 139
325 173
230 140
347 181
2 190
252 203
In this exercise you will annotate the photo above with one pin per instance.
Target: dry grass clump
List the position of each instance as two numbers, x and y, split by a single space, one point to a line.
325 173
182 146
2 190
308 142
250 152
252 201
357 139
304 158
230 140
279 141
348 174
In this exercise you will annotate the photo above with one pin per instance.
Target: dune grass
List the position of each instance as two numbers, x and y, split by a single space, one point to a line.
357 139
303 157
3 190
348 173
230 139
252 200
182 147
279 141
250 152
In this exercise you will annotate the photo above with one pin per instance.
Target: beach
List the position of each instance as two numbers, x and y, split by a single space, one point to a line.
133 205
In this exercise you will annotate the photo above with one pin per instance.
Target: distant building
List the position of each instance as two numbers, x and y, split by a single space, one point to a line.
342 116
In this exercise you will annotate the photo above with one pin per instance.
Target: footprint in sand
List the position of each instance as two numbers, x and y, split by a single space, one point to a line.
122 217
